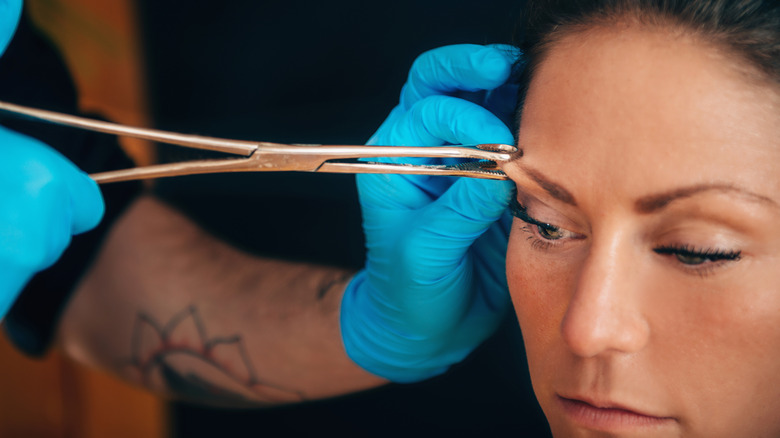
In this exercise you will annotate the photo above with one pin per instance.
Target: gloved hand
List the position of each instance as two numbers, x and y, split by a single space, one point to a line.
10 11
44 198
434 285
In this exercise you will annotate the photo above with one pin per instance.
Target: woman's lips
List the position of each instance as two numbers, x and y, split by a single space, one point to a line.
608 416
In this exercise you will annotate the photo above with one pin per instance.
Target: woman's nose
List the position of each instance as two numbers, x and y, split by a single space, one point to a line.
604 313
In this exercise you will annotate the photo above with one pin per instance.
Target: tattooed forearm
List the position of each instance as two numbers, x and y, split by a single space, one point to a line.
170 307
190 364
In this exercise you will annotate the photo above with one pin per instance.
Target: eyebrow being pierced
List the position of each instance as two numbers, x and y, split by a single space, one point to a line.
553 189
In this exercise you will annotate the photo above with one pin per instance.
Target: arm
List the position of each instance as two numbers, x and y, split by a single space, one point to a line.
170 307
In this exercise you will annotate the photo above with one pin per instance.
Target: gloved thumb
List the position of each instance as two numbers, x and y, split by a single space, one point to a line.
468 208
86 202
452 226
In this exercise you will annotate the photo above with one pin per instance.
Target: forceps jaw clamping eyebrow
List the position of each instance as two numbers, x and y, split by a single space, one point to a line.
265 156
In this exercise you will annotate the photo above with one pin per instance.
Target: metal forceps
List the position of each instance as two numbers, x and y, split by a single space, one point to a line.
265 156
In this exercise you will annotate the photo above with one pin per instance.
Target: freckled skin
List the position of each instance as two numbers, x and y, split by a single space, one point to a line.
613 115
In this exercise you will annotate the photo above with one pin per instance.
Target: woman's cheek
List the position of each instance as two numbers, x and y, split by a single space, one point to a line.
515 270
526 279
538 283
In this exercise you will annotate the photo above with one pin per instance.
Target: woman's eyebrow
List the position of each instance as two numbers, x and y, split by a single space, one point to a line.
650 203
653 203
553 189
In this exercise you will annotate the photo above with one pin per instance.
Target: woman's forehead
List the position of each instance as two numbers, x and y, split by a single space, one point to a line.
647 106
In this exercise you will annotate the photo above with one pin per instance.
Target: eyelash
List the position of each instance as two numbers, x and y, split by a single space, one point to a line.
711 258
538 241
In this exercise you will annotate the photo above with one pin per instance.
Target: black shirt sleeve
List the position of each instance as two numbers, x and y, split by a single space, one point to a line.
33 74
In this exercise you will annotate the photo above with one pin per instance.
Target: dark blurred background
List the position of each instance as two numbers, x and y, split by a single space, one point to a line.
284 71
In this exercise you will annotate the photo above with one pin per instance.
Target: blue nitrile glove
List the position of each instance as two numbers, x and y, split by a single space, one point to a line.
44 198
434 285
10 11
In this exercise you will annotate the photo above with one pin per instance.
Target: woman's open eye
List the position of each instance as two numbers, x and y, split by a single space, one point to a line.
544 235
688 259
550 232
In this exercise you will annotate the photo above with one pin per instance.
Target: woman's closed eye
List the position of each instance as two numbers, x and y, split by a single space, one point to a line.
699 261
543 235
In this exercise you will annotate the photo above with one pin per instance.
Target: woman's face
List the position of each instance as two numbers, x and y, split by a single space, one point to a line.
645 267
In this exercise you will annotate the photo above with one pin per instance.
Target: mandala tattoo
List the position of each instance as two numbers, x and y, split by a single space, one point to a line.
187 361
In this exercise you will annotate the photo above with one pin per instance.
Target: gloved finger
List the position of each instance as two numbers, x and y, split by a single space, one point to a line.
433 121
79 195
86 202
475 200
44 207
501 101
464 213
458 67
34 223
439 246
439 120
489 254
10 12
55 204
379 137
490 300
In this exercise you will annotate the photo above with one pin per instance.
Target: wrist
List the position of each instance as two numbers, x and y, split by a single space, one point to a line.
378 347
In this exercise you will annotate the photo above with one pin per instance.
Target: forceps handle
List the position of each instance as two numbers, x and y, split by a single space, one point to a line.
332 159
266 156
480 169
238 147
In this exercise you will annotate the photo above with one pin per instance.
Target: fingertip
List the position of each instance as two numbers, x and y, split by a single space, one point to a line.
493 66
493 196
394 118
470 206
458 121
87 203
512 53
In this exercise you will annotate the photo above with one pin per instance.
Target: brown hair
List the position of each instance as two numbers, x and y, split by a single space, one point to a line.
749 29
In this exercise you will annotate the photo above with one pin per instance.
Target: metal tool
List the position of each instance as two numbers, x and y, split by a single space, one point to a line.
274 157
